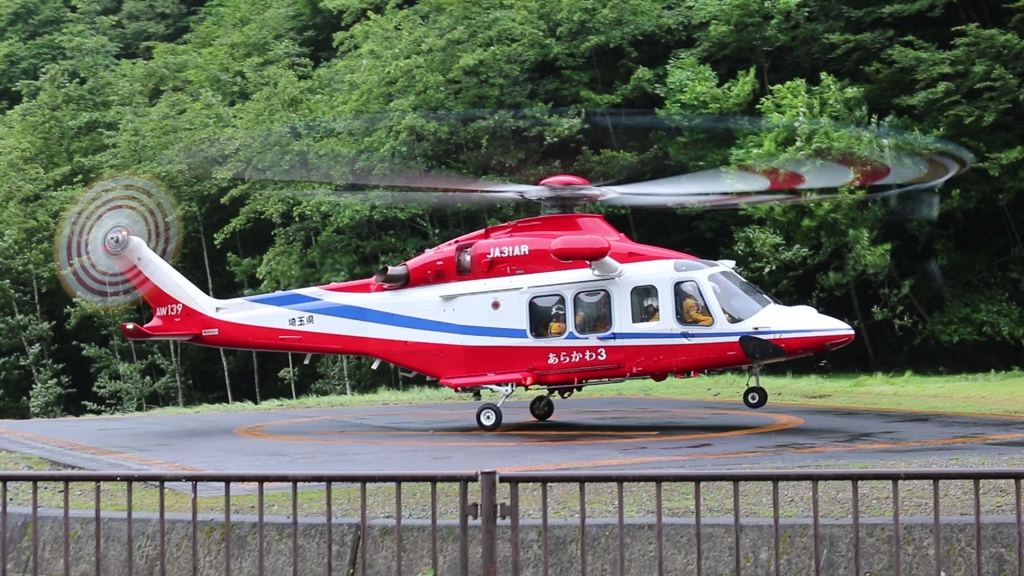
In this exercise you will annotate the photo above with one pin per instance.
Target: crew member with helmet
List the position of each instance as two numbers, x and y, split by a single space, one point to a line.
557 327
692 313
652 313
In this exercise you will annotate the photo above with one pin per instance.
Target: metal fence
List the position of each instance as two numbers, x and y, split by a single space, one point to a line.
512 523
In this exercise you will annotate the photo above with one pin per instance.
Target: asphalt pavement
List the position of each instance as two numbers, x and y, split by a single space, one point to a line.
609 433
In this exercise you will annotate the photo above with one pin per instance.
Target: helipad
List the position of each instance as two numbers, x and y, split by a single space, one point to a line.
610 433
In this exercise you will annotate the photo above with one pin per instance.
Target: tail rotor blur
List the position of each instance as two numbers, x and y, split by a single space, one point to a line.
127 204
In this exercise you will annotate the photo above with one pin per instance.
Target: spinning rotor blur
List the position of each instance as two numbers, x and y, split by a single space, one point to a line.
639 159
119 205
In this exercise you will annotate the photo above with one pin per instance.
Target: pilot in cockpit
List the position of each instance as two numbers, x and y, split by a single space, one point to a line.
651 311
692 313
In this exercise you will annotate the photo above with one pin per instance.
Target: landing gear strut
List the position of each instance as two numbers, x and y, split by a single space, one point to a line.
488 416
542 407
755 396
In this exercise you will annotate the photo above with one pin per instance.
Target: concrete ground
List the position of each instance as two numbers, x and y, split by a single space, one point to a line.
612 433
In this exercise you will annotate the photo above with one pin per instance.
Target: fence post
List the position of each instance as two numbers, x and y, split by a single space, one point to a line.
489 522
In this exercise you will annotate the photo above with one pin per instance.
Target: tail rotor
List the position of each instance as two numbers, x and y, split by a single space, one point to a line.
93 227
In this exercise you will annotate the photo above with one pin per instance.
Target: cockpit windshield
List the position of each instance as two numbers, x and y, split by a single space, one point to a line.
738 298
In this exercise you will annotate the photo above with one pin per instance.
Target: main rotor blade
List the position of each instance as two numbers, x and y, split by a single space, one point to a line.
731 187
774 160
420 181
423 198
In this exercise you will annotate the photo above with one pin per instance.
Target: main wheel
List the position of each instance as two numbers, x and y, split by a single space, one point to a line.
488 417
542 407
755 397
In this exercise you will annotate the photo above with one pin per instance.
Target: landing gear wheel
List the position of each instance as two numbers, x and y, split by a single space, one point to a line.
755 397
542 407
488 417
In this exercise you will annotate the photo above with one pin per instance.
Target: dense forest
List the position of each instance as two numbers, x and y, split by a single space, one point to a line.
192 92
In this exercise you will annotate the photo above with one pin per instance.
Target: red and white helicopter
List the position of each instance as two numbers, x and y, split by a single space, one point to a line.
549 304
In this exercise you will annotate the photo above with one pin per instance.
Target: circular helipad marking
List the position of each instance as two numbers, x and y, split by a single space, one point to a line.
554 431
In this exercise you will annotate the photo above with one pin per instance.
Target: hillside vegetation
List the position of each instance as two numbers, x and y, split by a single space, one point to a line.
192 93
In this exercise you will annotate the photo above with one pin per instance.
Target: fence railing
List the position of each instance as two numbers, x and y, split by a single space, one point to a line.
899 522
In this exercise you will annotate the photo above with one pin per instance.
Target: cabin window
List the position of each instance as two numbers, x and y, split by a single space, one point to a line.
593 311
691 309
463 260
547 316
645 304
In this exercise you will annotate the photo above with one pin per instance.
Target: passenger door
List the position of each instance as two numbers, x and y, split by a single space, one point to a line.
595 321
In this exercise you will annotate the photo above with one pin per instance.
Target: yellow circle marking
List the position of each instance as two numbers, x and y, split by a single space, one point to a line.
260 431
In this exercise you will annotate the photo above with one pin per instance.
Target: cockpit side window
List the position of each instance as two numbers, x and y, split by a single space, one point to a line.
738 298
547 316
645 305
691 309
593 312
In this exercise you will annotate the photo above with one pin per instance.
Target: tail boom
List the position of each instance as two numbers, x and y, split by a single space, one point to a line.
180 309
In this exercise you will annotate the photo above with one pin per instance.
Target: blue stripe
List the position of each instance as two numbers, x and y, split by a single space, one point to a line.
311 305
282 299
303 303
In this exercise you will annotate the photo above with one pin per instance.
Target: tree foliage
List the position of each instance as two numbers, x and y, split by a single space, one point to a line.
198 93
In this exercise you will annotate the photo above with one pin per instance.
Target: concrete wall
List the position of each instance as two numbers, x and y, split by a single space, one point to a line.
999 540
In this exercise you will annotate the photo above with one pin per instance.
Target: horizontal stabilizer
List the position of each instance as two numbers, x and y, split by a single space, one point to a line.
133 331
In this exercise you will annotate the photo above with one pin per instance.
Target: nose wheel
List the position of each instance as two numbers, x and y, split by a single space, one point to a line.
755 396
542 407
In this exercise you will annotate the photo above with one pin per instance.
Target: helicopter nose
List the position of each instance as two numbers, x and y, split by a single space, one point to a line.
840 333
836 324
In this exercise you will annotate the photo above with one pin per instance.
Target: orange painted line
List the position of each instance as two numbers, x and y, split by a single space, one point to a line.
504 431
779 422
899 411
727 401
697 412
809 450
56 442
833 407
694 413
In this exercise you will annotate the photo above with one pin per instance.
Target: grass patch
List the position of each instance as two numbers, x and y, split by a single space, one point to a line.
988 393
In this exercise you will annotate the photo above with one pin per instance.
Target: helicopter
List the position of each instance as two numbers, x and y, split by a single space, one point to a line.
548 304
